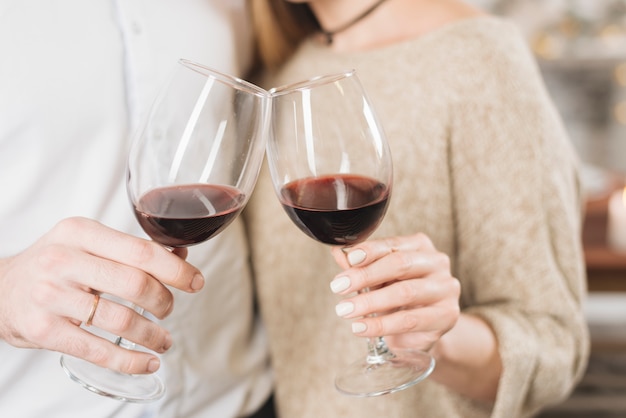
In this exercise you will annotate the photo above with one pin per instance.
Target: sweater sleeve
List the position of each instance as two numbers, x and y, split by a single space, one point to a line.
518 217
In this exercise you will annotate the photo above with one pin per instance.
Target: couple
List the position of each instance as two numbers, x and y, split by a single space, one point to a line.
486 216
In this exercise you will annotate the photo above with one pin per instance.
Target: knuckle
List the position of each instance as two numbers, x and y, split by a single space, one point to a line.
404 261
360 278
120 319
407 322
165 303
70 226
365 303
128 361
182 273
375 326
391 243
137 284
408 294
153 336
142 251
127 364
447 317
43 293
422 239
455 287
429 339
454 312
442 260
95 353
52 257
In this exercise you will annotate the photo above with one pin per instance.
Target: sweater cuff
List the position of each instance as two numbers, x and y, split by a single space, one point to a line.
518 352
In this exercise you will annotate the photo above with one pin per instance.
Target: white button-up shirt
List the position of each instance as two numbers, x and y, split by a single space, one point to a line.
76 77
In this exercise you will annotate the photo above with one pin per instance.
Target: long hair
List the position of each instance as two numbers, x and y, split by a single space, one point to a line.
279 28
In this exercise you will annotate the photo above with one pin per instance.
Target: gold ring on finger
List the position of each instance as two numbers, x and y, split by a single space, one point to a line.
94 306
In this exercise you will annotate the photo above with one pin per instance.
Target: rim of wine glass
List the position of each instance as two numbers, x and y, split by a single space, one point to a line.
224 78
311 83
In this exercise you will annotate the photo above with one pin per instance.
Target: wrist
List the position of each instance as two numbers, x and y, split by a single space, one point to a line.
468 360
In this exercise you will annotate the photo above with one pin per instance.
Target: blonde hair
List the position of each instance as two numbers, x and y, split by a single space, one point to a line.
279 28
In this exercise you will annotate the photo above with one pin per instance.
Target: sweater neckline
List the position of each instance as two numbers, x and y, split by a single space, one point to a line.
472 23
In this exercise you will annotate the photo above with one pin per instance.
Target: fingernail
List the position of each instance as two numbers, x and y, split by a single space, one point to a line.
197 282
356 257
344 308
153 365
358 327
340 284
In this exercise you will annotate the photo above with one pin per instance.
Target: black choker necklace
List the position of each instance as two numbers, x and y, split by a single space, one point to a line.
329 34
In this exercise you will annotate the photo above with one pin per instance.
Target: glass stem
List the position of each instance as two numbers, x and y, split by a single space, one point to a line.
377 350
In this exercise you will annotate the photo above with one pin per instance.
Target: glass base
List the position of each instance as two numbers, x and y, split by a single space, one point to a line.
390 374
112 384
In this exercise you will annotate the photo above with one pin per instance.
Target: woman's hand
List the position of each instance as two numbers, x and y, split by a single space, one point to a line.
49 289
412 292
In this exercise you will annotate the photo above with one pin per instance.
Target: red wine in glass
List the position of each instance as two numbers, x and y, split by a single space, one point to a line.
191 169
179 216
332 171
339 209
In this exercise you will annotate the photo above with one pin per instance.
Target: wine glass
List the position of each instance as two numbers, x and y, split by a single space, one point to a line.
332 172
191 170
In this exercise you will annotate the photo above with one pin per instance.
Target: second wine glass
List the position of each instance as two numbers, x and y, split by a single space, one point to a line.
332 171
191 170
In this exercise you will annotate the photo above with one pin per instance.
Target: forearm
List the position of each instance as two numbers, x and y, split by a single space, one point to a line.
468 361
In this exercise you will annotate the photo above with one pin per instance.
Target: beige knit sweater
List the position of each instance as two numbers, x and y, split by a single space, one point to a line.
483 166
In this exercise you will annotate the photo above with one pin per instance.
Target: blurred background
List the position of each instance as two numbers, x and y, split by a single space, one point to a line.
580 46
